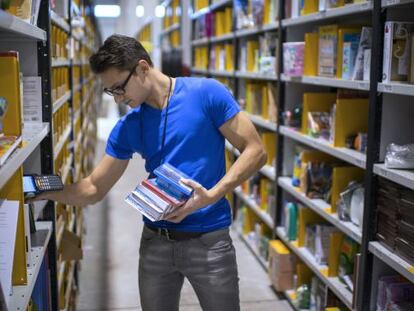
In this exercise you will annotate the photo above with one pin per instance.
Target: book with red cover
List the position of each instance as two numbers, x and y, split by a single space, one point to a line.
152 185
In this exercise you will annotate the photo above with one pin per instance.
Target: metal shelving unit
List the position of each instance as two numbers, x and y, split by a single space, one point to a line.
350 9
330 82
393 260
255 75
334 284
392 3
348 155
221 73
265 217
12 26
59 21
32 138
403 177
227 37
255 30
60 101
396 88
21 294
322 208
266 124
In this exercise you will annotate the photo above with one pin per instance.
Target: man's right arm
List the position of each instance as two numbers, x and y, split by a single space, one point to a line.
91 189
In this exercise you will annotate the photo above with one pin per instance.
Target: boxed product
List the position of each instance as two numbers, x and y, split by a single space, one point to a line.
328 38
293 58
397 51
281 266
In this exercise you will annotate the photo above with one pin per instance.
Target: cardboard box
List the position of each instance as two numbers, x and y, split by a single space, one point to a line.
281 266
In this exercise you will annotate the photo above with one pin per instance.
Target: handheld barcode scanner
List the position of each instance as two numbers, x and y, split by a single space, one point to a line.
36 184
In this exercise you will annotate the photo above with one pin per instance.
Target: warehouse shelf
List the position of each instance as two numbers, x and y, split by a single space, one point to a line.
323 209
353 157
263 263
222 38
199 71
335 285
256 30
396 88
32 137
258 120
402 177
170 29
59 21
12 26
60 62
255 75
391 3
331 82
221 73
348 155
351 9
264 216
392 259
199 42
219 4
58 147
21 294
60 101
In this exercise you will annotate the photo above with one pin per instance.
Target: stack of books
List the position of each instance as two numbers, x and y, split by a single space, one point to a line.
157 197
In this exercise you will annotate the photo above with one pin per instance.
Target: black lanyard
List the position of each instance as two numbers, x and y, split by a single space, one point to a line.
164 130
165 124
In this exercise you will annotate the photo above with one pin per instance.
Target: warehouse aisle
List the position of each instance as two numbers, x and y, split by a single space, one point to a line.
109 279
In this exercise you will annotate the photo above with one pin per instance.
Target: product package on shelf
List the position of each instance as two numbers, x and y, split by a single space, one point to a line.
155 198
293 58
397 51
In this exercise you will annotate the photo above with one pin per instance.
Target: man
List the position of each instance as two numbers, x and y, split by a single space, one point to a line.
184 122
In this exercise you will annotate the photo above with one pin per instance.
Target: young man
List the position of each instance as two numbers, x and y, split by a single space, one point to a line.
184 122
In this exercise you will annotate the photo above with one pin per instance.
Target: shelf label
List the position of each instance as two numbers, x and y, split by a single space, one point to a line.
392 2
364 6
388 88
384 173
362 86
359 162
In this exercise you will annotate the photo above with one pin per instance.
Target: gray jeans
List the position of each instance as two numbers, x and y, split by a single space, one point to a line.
208 262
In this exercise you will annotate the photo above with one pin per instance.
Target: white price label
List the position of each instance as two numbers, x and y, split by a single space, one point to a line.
362 86
388 88
384 173
392 2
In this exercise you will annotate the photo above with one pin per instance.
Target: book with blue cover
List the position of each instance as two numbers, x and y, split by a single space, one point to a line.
156 198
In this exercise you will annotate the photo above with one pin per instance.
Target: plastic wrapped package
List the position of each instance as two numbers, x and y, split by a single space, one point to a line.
400 156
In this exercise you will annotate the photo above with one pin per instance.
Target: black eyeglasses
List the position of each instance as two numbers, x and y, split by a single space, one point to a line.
120 90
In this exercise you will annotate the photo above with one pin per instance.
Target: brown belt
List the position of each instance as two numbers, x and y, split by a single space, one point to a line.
173 235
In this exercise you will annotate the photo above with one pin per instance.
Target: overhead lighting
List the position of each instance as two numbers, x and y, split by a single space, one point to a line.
139 11
160 11
105 10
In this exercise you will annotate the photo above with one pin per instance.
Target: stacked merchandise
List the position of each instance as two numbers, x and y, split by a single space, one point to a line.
340 119
319 176
259 55
156 198
27 10
255 13
260 100
333 51
395 219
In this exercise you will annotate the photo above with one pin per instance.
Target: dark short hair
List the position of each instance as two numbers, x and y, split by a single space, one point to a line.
120 52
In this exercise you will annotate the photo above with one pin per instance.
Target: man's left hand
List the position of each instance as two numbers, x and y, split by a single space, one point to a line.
200 198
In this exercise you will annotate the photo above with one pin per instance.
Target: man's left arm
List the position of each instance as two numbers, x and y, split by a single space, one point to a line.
242 134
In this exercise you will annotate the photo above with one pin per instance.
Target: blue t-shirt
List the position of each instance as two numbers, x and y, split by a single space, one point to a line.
193 143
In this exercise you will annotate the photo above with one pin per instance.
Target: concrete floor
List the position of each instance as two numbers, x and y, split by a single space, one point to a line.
109 274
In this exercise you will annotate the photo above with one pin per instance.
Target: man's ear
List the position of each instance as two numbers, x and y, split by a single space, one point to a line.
143 67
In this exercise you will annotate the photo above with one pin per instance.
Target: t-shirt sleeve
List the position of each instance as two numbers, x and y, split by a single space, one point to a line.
221 105
117 145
